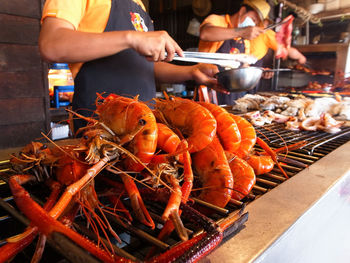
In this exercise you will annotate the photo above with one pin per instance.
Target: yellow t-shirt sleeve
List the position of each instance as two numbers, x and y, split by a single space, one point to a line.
215 20
261 44
69 10
271 39
212 46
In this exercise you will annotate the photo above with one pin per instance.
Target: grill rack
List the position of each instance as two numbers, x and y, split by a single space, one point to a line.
318 145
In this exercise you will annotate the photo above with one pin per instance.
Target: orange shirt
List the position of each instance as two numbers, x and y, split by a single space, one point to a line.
85 15
220 21
260 45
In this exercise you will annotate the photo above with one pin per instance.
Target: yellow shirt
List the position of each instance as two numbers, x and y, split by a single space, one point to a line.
85 15
259 46
220 21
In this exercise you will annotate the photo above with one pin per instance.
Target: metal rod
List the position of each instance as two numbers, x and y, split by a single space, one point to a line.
259 188
58 241
276 170
304 156
235 202
3 218
4 162
281 157
220 210
251 196
69 249
291 161
277 177
277 62
159 219
142 234
92 235
307 33
269 183
295 169
13 212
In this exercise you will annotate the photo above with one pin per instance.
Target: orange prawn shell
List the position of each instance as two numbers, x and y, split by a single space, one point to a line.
227 129
214 171
193 120
248 136
69 170
167 139
261 164
243 176
123 115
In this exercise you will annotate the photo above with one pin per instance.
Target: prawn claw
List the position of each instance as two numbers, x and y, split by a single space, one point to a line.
141 211
179 227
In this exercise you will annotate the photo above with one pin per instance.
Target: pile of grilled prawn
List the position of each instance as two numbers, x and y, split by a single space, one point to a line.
165 150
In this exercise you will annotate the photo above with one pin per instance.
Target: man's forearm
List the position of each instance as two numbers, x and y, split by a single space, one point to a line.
73 46
293 53
169 73
214 33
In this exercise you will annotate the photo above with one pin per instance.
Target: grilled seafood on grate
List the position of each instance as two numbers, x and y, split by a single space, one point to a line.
193 142
196 123
71 171
214 171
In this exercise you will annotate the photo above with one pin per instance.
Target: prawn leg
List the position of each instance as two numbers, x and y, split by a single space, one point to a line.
74 188
172 211
271 153
291 147
137 203
186 189
19 242
184 194
47 224
11 249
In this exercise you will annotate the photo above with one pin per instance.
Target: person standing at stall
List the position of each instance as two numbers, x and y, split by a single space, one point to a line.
265 42
231 34
111 47
260 45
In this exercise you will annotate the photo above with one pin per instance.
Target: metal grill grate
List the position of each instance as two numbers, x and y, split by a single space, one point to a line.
138 239
318 145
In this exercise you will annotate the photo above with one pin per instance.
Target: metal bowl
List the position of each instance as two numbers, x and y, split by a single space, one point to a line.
239 79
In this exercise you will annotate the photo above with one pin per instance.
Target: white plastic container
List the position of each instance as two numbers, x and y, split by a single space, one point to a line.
59 131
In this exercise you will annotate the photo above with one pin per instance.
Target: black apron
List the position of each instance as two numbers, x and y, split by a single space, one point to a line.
126 73
229 47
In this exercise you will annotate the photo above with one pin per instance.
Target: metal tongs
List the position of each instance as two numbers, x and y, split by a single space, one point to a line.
223 60
276 24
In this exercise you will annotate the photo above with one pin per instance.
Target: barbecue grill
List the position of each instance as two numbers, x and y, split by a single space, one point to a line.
288 218
305 218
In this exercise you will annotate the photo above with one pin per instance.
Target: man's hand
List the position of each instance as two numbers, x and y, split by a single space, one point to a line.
205 74
153 45
202 74
249 32
59 41
267 74
302 59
